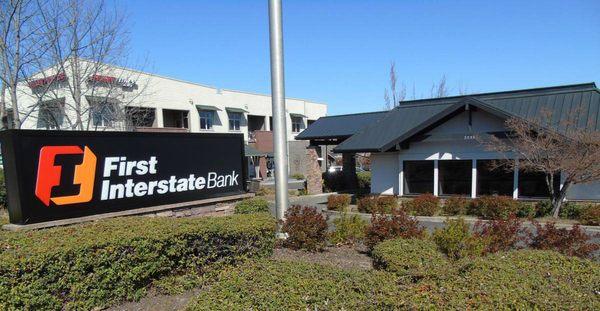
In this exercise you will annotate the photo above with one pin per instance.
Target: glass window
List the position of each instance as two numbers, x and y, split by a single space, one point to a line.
206 119
418 177
51 114
493 180
454 177
235 120
175 118
103 113
533 184
297 124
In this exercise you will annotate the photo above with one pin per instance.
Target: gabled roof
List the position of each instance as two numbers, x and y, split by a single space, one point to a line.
579 104
339 127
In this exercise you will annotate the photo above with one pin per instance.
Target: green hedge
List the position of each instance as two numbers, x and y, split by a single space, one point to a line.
415 258
516 280
253 205
97 264
286 285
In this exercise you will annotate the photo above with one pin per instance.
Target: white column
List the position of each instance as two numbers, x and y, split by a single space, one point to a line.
267 124
400 176
473 178
516 180
435 177
159 117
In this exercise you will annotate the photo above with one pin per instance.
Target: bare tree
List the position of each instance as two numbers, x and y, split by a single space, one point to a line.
394 95
572 151
440 89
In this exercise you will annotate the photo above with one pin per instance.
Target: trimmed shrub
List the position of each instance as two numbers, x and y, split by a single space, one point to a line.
571 210
94 265
500 234
526 209
455 206
286 285
515 280
364 180
253 205
349 229
543 208
456 241
367 204
495 207
264 191
306 228
297 176
386 203
338 202
397 225
590 215
414 258
571 242
424 205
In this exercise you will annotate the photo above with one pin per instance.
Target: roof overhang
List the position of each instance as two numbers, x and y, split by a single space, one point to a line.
296 114
235 109
208 107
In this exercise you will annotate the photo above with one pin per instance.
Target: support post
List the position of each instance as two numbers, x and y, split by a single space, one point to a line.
473 179
436 177
400 177
278 103
516 180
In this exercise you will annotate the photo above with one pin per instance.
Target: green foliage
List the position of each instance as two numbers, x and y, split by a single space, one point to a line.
264 191
387 203
364 180
424 205
456 240
349 229
306 228
271 285
397 225
253 205
526 209
367 204
543 208
97 264
384 203
455 206
298 176
571 210
3 199
515 280
494 207
590 215
303 191
338 202
415 258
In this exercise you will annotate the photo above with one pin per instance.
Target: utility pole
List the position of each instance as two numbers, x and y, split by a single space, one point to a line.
278 103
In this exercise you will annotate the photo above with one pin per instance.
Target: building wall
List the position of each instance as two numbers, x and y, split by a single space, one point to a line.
384 173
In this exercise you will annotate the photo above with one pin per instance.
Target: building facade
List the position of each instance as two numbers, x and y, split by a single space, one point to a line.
434 145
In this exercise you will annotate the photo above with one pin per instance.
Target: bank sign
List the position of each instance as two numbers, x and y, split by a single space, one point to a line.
53 175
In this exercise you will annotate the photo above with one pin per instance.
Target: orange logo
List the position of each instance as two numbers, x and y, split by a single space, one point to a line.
48 175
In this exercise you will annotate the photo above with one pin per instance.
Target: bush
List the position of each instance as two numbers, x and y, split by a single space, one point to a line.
264 191
285 285
455 206
495 207
397 225
590 215
306 228
384 204
543 208
414 258
348 230
456 241
333 181
94 265
253 205
364 180
526 209
297 176
571 242
424 205
516 280
571 210
338 202
501 235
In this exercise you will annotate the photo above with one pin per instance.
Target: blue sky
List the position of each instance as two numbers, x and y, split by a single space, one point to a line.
339 52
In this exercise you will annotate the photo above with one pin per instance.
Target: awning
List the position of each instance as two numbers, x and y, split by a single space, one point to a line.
252 152
295 114
208 107
232 109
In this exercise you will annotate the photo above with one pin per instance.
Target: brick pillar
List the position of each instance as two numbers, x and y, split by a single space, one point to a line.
314 177
349 171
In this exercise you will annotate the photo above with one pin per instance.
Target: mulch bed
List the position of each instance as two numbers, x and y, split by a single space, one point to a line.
345 257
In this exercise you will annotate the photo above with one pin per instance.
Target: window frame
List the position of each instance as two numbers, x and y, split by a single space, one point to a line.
51 110
208 116
297 124
237 120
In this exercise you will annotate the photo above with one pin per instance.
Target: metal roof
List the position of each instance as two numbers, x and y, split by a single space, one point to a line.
341 126
577 105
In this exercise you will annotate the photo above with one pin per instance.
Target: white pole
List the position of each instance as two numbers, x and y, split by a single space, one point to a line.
278 102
